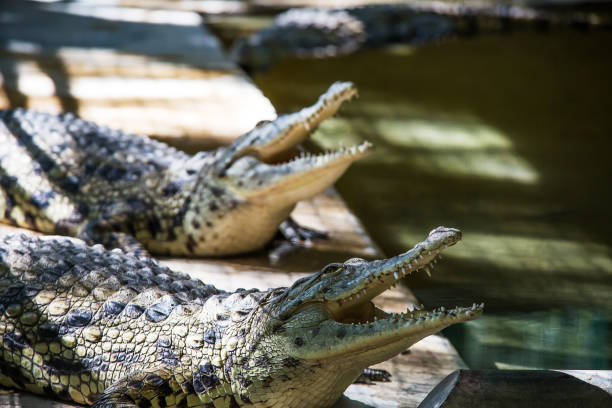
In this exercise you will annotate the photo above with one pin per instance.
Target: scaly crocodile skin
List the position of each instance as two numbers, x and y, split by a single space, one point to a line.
101 327
63 175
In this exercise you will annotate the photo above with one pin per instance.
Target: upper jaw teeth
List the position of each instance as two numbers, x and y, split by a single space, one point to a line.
398 273
417 264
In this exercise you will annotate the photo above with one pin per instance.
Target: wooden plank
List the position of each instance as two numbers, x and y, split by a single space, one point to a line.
112 65
286 4
248 6
242 6
201 6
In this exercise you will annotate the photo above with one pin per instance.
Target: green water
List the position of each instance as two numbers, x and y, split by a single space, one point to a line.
508 138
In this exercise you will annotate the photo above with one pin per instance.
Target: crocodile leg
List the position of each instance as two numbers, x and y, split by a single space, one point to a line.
373 375
292 236
296 234
141 388
112 239
124 241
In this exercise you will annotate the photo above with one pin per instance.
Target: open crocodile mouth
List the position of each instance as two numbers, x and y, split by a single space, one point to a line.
275 141
357 324
355 307
291 129
299 178
264 162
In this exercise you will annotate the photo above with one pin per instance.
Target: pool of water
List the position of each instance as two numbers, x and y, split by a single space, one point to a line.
508 138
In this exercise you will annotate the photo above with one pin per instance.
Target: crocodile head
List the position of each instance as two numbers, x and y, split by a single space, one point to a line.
245 190
323 331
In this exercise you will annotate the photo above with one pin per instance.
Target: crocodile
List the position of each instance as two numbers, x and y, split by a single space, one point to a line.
325 32
62 175
109 329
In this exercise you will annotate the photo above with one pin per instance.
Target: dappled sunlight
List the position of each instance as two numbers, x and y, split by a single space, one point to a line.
457 147
530 254
132 14
501 165
557 338
440 134
162 67
401 50
543 254
336 132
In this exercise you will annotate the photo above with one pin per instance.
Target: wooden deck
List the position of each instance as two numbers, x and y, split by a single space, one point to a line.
112 65
162 73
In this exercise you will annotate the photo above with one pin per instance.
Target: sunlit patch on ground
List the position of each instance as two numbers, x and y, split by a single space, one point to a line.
432 134
529 254
557 338
529 273
498 165
438 146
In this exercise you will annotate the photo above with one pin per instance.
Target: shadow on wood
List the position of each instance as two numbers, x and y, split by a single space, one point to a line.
512 388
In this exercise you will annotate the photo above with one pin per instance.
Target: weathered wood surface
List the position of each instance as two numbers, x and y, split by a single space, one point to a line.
285 4
244 6
200 6
112 64
249 6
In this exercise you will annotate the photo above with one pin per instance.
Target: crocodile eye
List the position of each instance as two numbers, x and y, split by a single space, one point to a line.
354 261
331 266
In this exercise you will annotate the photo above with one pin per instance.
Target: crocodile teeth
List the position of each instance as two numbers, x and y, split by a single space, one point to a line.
428 271
395 275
